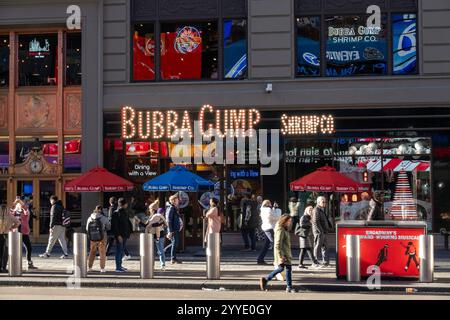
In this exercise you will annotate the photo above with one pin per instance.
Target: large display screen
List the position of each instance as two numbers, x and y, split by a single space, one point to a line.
404 43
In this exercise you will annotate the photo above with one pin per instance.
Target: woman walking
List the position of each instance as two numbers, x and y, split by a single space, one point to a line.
282 253
306 239
20 211
269 218
214 220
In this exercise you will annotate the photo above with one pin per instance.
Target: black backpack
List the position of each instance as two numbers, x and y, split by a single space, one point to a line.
66 218
95 230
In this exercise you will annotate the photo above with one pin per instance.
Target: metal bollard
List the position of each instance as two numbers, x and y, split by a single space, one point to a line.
15 254
146 248
80 255
353 257
426 256
213 256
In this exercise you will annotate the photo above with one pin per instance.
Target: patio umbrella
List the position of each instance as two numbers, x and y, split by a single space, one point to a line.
178 178
98 179
327 179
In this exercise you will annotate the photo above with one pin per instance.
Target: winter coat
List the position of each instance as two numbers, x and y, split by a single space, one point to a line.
56 214
120 224
308 241
173 219
7 222
282 246
375 211
159 221
269 218
106 225
319 221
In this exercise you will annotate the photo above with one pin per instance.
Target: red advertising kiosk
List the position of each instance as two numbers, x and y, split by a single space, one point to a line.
393 246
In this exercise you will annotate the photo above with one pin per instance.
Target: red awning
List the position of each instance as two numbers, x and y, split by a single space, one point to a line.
327 179
97 180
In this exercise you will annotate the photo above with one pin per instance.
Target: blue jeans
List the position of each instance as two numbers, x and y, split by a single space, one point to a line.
269 241
161 252
174 245
249 233
280 269
120 246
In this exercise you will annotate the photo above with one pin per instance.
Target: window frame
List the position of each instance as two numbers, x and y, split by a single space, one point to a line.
323 13
6 35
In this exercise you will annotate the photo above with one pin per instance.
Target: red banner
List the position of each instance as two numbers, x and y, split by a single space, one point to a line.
394 250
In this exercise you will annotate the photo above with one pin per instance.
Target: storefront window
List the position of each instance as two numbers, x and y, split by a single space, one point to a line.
404 49
3 193
38 61
141 162
72 154
4 60
73 204
144 51
308 46
189 51
235 48
73 59
113 151
4 155
355 49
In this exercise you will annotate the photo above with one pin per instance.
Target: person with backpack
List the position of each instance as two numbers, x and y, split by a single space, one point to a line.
20 211
57 228
97 225
173 227
121 228
7 224
306 239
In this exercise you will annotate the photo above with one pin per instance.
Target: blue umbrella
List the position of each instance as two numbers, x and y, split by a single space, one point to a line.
178 178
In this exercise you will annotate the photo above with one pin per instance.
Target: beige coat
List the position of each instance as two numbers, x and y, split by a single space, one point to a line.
282 246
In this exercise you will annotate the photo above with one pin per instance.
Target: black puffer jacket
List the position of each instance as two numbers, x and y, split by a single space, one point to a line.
56 214
120 224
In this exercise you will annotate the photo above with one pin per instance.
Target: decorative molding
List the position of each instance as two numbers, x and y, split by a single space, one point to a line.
3 111
72 111
188 9
36 111
23 169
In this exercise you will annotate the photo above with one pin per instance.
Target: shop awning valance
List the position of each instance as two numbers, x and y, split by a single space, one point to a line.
98 179
327 179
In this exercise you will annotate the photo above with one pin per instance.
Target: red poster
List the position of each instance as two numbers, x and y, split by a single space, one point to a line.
394 250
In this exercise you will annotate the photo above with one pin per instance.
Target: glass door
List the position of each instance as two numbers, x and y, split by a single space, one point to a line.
46 189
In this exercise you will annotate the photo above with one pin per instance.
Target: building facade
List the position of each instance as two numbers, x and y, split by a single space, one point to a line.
379 69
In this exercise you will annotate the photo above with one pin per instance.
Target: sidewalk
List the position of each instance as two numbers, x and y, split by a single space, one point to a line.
238 272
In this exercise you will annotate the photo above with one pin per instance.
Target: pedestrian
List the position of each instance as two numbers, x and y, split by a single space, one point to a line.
282 253
269 218
320 228
20 211
120 225
97 227
213 216
173 227
294 205
306 239
375 210
249 223
157 226
7 224
57 230
110 234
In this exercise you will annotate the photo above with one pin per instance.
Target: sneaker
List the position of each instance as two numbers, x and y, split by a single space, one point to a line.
162 268
44 255
325 265
126 257
120 270
64 256
263 284
102 271
302 266
176 261
31 266
315 266
124 269
290 290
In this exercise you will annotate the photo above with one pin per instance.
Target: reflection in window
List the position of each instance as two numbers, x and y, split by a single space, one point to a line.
113 150
73 59
72 154
4 60
144 52
404 43
189 51
25 145
355 49
308 46
38 60
235 48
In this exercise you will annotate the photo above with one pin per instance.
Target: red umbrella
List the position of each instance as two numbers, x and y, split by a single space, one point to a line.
96 180
327 179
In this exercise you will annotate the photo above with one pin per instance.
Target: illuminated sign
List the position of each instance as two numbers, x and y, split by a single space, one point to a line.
158 124
304 125
188 39
35 50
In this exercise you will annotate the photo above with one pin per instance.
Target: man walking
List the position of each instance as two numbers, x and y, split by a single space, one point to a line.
320 228
120 226
57 230
173 227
